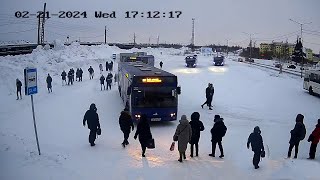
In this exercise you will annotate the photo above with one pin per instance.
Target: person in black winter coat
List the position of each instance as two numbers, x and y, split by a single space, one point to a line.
18 84
125 122
111 66
255 139
144 132
92 119
63 76
91 72
209 96
196 126
49 83
102 82
70 77
109 80
80 74
217 132
161 63
298 133
107 65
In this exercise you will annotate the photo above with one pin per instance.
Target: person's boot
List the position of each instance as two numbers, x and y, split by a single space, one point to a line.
123 144
256 167
210 108
221 156
92 144
184 156
202 106
191 154
180 159
212 155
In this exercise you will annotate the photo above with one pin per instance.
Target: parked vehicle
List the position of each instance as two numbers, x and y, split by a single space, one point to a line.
191 61
240 60
292 66
249 59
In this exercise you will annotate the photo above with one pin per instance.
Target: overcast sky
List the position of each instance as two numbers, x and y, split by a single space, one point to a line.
216 21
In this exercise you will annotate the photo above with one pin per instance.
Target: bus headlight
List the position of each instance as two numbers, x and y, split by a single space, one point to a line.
137 116
172 114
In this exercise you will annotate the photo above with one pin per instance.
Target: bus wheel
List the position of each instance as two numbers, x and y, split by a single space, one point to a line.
310 91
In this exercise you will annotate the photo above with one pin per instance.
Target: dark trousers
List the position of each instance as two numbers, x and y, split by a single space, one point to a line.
80 78
69 81
108 86
19 92
92 135
313 149
296 149
214 143
143 147
256 158
197 149
49 89
182 155
125 137
104 87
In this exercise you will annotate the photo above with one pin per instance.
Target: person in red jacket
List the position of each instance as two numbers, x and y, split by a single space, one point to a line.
314 139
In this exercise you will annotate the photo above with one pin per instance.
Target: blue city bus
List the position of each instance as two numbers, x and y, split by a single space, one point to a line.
145 89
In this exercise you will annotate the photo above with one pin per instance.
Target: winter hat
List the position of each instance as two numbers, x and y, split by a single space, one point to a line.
195 116
299 118
257 129
217 118
93 107
183 117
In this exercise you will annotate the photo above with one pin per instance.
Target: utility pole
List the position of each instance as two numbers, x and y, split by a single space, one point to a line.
105 34
301 24
250 34
42 24
134 39
192 37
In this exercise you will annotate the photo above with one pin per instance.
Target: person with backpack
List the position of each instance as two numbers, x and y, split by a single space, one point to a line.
298 133
144 133
256 141
109 80
314 139
19 85
92 119
126 124
183 136
196 127
217 132
102 82
91 72
49 83
63 76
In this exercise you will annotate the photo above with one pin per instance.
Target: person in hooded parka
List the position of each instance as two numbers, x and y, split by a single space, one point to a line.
298 133
183 135
92 119
255 139
126 124
197 127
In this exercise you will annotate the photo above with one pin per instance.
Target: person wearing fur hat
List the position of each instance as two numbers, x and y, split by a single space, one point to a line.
217 132
196 126
314 139
255 139
92 119
183 136
298 133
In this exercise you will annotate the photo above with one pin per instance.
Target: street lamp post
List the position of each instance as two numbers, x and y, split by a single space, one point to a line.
250 34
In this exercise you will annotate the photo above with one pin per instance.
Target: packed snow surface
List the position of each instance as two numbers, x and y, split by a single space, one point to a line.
245 96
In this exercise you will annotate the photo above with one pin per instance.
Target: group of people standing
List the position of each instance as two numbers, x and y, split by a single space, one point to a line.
108 80
189 132
70 76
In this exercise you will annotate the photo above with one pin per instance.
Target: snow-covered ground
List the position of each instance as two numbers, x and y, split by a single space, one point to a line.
245 96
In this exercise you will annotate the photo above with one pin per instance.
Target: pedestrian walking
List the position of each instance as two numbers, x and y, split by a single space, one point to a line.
196 127
255 139
63 76
109 80
101 68
102 82
80 74
209 96
49 83
183 136
161 63
91 72
19 85
218 131
107 65
314 139
92 119
70 77
298 133
125 122
111 66
144 133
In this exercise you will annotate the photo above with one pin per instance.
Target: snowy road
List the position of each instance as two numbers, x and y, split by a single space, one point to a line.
245 96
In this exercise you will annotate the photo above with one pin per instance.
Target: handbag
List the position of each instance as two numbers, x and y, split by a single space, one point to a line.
172 146
99 131
263 154
150 144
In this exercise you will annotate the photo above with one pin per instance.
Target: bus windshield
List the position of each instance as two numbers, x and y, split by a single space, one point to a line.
154 97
